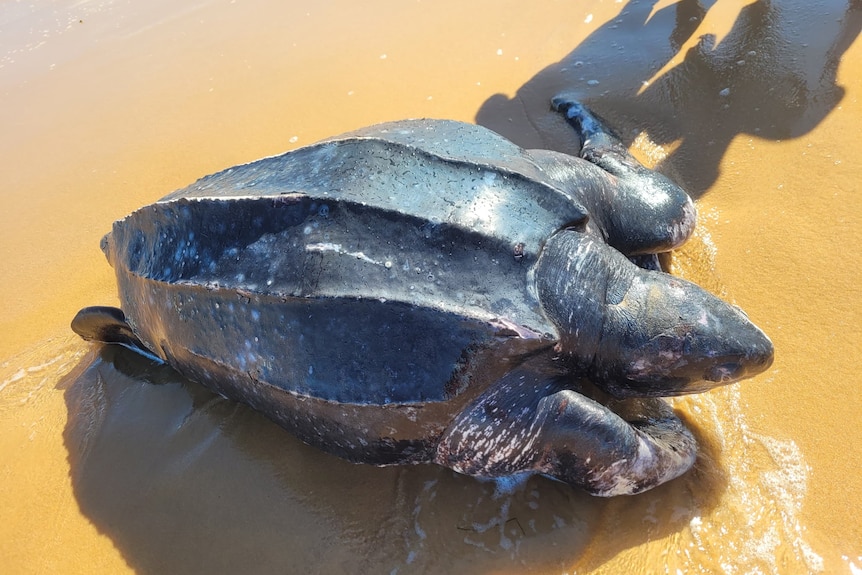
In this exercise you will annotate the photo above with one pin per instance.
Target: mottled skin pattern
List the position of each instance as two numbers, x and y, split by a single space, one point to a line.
427 291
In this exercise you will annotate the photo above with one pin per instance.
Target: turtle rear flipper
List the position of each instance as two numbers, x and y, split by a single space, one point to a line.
108 325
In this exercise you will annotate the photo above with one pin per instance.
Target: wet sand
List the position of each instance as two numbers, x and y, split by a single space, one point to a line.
111 465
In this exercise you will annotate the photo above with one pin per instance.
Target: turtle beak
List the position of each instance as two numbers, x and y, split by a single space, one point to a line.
747 352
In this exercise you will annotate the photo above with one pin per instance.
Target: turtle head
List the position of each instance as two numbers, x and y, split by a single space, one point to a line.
667 336
642 333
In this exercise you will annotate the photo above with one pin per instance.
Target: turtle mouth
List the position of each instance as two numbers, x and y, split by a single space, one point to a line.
758 359
684 376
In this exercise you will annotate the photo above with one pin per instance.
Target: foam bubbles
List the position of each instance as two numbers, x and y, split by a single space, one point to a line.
767 485
854 570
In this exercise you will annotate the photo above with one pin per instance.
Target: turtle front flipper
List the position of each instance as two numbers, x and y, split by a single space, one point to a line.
534 421
108 325
643 211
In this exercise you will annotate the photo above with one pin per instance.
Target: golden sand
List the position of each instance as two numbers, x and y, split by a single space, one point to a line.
110 465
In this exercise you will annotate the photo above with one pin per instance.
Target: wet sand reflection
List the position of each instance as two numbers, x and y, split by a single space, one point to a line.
185 481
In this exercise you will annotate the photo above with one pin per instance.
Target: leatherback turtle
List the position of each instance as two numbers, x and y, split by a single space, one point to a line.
426 291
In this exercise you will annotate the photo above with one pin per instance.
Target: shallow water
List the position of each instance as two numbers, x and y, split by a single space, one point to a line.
112 465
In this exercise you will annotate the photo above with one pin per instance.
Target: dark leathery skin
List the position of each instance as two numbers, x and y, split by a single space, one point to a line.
425 290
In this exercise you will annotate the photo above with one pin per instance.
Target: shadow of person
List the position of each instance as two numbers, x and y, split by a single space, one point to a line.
184 481
772 76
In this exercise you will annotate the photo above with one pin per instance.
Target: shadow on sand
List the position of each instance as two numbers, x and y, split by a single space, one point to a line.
773 76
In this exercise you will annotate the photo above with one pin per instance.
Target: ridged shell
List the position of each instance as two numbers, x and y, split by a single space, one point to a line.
371 268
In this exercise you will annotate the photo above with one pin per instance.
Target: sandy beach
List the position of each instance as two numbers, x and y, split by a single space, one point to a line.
111 464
